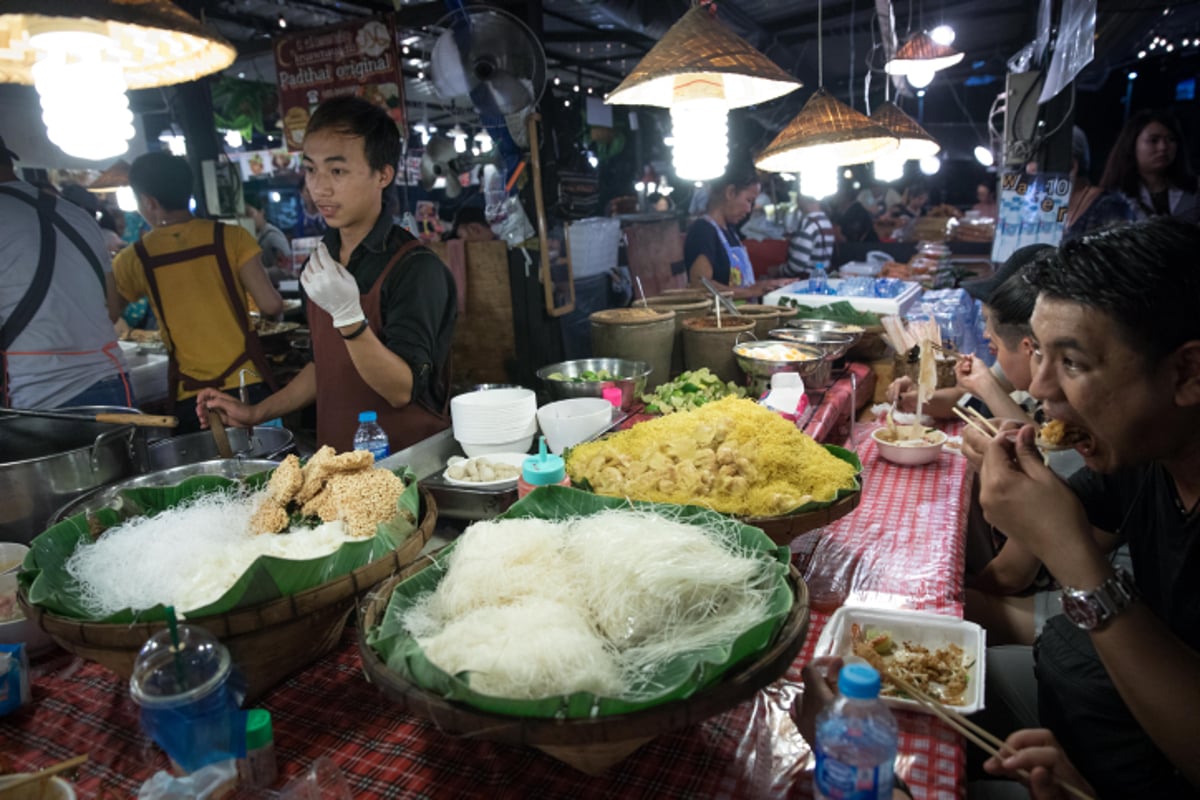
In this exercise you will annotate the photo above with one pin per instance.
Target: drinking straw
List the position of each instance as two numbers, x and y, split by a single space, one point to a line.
641 293
173 627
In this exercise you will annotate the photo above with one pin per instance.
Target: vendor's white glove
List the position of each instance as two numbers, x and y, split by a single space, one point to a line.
330 286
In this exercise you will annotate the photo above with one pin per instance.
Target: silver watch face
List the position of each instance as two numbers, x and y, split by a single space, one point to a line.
1080 610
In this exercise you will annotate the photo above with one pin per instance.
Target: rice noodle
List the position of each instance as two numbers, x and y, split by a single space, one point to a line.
187 556
517 594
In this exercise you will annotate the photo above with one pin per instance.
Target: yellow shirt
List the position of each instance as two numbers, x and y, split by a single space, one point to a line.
200 329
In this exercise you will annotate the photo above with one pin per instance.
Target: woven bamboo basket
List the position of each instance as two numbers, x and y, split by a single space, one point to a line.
782 530
903 366
269 641
594 744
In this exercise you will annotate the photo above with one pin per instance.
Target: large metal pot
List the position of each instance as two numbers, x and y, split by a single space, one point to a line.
46 462
110 496
261 442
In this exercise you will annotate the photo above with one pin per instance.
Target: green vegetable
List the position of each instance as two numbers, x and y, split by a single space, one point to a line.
587 376
690 390
841 311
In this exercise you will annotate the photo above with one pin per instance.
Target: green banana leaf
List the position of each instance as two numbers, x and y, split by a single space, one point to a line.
849 456
681 677
48 584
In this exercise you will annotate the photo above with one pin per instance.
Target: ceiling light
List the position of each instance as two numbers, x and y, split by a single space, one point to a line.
700 69
819 181
826 131
943 35
1170 48
922 53
420 74
848 174
1132 76
920 77
577 87
83 56
1141 53
484 140
557 81
889 168
930 165
460 138
984 155
233 139
915 141
126 199
282 21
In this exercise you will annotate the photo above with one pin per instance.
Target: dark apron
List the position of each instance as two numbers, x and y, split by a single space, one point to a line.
177 379
342 393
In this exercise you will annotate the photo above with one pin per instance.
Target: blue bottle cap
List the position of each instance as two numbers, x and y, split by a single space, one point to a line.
544 469
367 416
859 681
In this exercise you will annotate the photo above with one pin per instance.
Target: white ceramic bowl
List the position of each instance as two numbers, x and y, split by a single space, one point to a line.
11 556
568 422
910 454
494 416
48 789
473 449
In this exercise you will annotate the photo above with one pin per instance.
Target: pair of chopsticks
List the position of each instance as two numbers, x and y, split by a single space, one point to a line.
953 355
54 769
977 421
986 741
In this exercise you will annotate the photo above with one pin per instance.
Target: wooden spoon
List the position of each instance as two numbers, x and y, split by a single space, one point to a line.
219 434
48 772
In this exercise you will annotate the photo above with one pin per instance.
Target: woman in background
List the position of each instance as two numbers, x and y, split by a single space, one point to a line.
713 249
1149 168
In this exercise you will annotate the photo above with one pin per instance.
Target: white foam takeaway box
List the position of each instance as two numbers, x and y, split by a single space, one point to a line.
929 630
798 292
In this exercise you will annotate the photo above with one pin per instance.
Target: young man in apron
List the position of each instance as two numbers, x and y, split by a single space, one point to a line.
381 308
197 274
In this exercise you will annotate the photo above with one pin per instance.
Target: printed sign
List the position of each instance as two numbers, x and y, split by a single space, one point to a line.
1033 210
358 58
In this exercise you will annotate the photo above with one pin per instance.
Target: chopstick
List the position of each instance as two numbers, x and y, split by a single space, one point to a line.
984 739
981 419
970 421
50 771
953 355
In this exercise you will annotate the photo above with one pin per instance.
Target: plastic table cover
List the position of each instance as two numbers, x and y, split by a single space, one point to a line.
903 547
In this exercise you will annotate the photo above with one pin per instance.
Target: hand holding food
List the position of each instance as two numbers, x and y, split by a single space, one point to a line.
1059 435
972 374
902 394
1022 497
1037 751
331 287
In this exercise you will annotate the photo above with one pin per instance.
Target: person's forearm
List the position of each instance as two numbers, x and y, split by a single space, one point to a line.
299 393
941 404
1001 404
384 371
1012 570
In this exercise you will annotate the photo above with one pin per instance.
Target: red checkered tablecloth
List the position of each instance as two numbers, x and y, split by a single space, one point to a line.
903 546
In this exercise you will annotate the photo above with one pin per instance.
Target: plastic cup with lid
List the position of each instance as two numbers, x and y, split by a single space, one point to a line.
190 697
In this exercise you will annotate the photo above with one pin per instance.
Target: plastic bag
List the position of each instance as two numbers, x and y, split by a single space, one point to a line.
510 223
322 781
1033 55
1074 49
214 780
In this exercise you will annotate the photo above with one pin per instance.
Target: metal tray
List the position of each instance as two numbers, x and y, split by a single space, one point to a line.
427 458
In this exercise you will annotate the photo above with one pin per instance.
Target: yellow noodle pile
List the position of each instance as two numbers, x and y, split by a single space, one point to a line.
732 455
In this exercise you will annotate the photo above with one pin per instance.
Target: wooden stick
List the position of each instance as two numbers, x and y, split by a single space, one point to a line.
984 739
987 423
972 422
50 771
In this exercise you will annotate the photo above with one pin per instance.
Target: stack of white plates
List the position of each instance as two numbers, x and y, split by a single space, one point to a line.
494 420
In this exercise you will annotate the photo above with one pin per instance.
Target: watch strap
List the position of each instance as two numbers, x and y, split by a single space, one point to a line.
1093 609
357 332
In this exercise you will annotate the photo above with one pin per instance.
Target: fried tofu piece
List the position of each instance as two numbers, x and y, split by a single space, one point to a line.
286 480
270 517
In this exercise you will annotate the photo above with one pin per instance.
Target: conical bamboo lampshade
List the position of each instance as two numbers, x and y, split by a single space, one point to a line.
922 54
915 141
112 178
155 42
698 48
826 131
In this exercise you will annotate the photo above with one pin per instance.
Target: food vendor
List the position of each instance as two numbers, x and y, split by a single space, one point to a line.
197 274
713 249
381 307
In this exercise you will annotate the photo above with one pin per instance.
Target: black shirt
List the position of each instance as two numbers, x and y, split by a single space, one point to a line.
418 303
703 240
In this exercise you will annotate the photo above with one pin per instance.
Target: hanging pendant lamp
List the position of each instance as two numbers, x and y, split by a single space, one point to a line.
699 70
915 141
82 55
920 57
826 131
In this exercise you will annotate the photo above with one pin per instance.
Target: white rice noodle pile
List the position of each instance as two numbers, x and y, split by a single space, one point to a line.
646 588
529 649
186 556
499 562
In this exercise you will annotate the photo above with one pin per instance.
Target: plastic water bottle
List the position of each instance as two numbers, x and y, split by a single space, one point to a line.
370 436
818 279
856 740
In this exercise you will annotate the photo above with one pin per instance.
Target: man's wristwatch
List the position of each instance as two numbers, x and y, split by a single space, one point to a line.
1092 610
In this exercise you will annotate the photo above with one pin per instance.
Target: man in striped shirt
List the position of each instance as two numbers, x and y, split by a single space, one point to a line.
811 243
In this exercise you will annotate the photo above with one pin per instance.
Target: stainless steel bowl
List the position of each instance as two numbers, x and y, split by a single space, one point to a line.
110 496
263 441
757 367
632 380
833 344
826 325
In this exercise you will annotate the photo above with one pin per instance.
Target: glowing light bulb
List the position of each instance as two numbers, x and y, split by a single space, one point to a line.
930 165
942 34
818 180
889 168
984 156
920 77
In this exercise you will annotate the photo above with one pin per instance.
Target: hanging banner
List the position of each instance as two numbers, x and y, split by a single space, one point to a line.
358 59
1032 210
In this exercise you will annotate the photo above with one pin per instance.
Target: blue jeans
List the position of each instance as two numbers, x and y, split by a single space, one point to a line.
108 392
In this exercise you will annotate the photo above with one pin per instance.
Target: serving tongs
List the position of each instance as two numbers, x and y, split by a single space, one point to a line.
725 302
